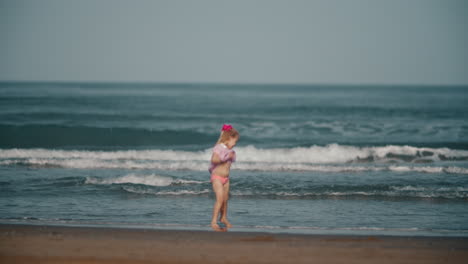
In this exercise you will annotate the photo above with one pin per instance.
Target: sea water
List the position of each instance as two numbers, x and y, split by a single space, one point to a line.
316 159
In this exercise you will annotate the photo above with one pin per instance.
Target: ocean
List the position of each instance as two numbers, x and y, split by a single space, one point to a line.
311 159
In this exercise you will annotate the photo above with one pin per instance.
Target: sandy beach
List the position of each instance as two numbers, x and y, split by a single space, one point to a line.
52 244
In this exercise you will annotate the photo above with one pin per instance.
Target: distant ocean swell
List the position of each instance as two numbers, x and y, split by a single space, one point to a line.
185 132
54 136
330 158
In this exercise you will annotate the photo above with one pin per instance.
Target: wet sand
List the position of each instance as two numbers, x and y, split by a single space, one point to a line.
52 244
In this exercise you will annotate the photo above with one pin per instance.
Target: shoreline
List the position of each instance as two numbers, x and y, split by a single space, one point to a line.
66 244
299 230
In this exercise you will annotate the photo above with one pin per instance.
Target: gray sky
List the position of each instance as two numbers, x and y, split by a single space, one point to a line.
246 41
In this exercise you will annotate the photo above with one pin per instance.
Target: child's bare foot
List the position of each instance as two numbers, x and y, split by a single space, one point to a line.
225 222
216 227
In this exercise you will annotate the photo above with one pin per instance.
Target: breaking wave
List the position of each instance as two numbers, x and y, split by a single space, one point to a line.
330 158
149 180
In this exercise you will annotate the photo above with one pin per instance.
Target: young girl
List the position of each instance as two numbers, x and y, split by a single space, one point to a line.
223 156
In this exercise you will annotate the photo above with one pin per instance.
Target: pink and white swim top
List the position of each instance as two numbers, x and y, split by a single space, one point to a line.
223 152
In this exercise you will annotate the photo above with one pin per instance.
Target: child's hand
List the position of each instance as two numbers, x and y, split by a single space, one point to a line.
232 155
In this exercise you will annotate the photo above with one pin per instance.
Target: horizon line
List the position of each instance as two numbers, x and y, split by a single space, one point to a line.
228 83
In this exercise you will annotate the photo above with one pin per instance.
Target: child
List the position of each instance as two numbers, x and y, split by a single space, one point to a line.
223 156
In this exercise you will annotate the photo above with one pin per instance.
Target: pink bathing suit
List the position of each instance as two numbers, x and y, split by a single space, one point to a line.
223 152
223 180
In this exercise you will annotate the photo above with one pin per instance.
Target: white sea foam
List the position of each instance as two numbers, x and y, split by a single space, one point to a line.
167 155
408 188
179 181
426 169
202 166
394 192
335 153
456 170
150 180
330 158
168 193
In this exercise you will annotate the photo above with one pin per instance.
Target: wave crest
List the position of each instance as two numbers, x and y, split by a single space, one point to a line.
150 180
330 158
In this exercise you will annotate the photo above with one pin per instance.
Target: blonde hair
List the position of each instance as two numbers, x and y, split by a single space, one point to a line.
227 134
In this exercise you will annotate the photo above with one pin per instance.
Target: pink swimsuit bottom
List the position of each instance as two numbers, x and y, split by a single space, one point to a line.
223 180
223 152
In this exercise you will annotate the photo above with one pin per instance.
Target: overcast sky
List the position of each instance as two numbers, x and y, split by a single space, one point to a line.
251 41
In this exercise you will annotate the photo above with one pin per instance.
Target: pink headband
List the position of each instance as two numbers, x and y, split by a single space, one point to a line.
226 127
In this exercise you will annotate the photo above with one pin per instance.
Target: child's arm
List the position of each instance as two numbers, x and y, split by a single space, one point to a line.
215 159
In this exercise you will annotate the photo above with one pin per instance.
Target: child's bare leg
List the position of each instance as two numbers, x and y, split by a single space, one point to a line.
219 192
224 206
223 209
